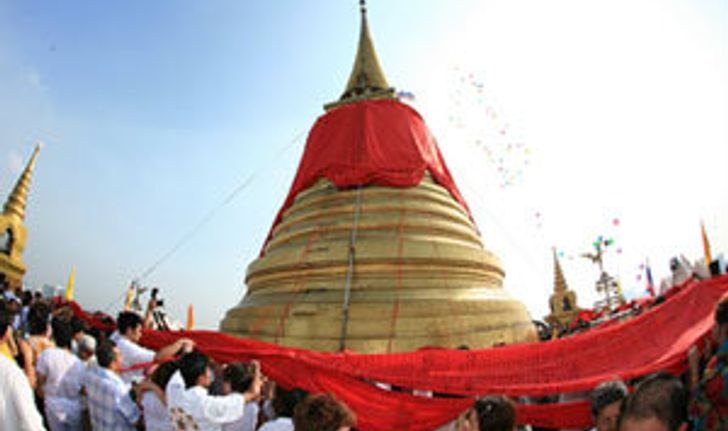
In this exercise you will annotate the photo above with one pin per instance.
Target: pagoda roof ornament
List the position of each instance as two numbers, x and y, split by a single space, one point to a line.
559 279
15 205
367 80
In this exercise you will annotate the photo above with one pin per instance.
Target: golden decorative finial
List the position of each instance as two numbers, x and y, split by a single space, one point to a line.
15 205
367 80
559 279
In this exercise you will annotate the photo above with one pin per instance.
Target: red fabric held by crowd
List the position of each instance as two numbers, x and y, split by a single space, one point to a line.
655 340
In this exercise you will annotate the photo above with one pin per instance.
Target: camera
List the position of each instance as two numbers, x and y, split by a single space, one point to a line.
155 293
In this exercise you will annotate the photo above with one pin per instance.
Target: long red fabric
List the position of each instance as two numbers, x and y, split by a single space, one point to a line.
656 340
90 319
380 142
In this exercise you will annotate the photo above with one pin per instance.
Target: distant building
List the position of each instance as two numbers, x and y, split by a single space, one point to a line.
50 291
562 302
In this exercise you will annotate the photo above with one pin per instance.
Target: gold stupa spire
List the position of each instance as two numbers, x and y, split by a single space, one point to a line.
559 279
15 205
367 80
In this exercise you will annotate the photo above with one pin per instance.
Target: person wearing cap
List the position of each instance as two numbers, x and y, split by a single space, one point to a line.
20 313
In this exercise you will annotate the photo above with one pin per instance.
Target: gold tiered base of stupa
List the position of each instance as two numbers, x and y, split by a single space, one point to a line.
419 275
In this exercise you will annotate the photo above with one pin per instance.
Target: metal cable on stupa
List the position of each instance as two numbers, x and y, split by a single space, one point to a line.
197 227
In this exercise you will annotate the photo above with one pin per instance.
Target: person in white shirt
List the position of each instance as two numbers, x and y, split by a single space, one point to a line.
130 325
154 404
190 404
58 385
86 351
17 408
241 378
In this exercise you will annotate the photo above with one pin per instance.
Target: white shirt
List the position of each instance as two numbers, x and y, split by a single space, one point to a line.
63 374
54 364
196 409
73 381
156 415
249 421
17 408
280 424
132 354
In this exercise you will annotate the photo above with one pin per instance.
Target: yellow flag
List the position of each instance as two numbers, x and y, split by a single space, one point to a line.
190 318
706 245
129 297
71 282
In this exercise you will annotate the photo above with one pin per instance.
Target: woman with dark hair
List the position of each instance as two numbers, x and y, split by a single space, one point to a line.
154 403
284 404
241 378
493 413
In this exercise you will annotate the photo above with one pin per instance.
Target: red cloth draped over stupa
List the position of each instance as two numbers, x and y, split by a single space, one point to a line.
372 142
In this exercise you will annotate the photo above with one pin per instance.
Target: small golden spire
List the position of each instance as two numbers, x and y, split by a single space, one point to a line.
367 80
15 205
559 279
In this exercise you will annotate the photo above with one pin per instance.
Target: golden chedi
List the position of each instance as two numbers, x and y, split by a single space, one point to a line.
562 303
374 249
13 233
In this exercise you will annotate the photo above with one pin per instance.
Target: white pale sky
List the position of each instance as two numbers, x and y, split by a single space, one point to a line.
152 114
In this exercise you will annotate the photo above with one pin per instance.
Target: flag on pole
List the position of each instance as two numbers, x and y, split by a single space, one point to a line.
69 285
129 297
706 245
648 276
190 318
406 95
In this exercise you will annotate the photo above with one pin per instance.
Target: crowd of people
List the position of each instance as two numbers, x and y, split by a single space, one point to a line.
58 373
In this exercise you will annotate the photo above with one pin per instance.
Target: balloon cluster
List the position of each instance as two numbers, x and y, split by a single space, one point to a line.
602 241
478 120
